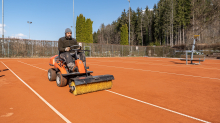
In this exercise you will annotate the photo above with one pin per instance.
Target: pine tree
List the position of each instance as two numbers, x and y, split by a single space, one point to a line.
95 37
170 23
139 26
186 18
84 29
133 27
124 35
77 29
80 28
86 34
83 37
88 31
124 18
146 22
156 24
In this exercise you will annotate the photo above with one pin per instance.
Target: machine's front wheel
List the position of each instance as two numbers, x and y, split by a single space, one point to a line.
51 74
60 80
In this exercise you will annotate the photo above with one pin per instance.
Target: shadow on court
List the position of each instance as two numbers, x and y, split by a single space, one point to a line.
2 71
177 62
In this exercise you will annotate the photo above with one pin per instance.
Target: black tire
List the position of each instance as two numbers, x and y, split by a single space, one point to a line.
51 74
60 80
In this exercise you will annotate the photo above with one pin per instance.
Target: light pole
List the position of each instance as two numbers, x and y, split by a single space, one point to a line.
29 35
73 22
3 27
129 25
29 28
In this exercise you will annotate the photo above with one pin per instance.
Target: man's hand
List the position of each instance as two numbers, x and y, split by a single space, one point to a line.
67 49
79 48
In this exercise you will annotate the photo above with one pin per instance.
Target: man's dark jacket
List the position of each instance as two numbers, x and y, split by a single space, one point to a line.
65 42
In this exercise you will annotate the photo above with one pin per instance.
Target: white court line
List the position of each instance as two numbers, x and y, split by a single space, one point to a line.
159 107
48 104
144 102
158 72
32 66
151 63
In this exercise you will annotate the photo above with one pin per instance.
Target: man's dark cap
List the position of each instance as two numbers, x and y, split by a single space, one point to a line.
68 30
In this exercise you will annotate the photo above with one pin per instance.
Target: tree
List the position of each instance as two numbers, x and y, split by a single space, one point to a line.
124 35
146 27
170 22
88 31
156 24
95 37
80 28
139 26
133 27
84 29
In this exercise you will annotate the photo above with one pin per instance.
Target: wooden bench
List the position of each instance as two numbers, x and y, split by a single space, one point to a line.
198 58
217 55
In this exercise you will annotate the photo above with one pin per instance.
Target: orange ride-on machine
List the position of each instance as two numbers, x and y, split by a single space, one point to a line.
80 81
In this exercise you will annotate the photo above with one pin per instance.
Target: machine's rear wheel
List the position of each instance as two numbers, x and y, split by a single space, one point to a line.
60 80
51 74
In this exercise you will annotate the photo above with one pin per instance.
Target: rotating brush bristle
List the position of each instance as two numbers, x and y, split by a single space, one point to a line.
91 87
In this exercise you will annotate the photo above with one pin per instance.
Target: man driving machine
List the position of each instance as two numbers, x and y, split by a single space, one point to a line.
66 53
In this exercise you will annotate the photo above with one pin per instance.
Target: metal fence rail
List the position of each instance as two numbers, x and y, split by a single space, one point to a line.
19 48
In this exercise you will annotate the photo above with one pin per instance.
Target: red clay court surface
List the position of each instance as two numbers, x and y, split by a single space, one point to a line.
145 90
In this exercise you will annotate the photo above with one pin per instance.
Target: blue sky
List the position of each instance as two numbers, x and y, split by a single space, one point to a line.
50 18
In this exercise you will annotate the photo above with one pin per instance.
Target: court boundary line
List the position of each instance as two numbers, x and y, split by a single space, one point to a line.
166 109
48 104
151 63
158 72
175 112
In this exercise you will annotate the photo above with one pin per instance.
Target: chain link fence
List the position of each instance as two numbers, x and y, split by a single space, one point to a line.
21 48
110 50
27 48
